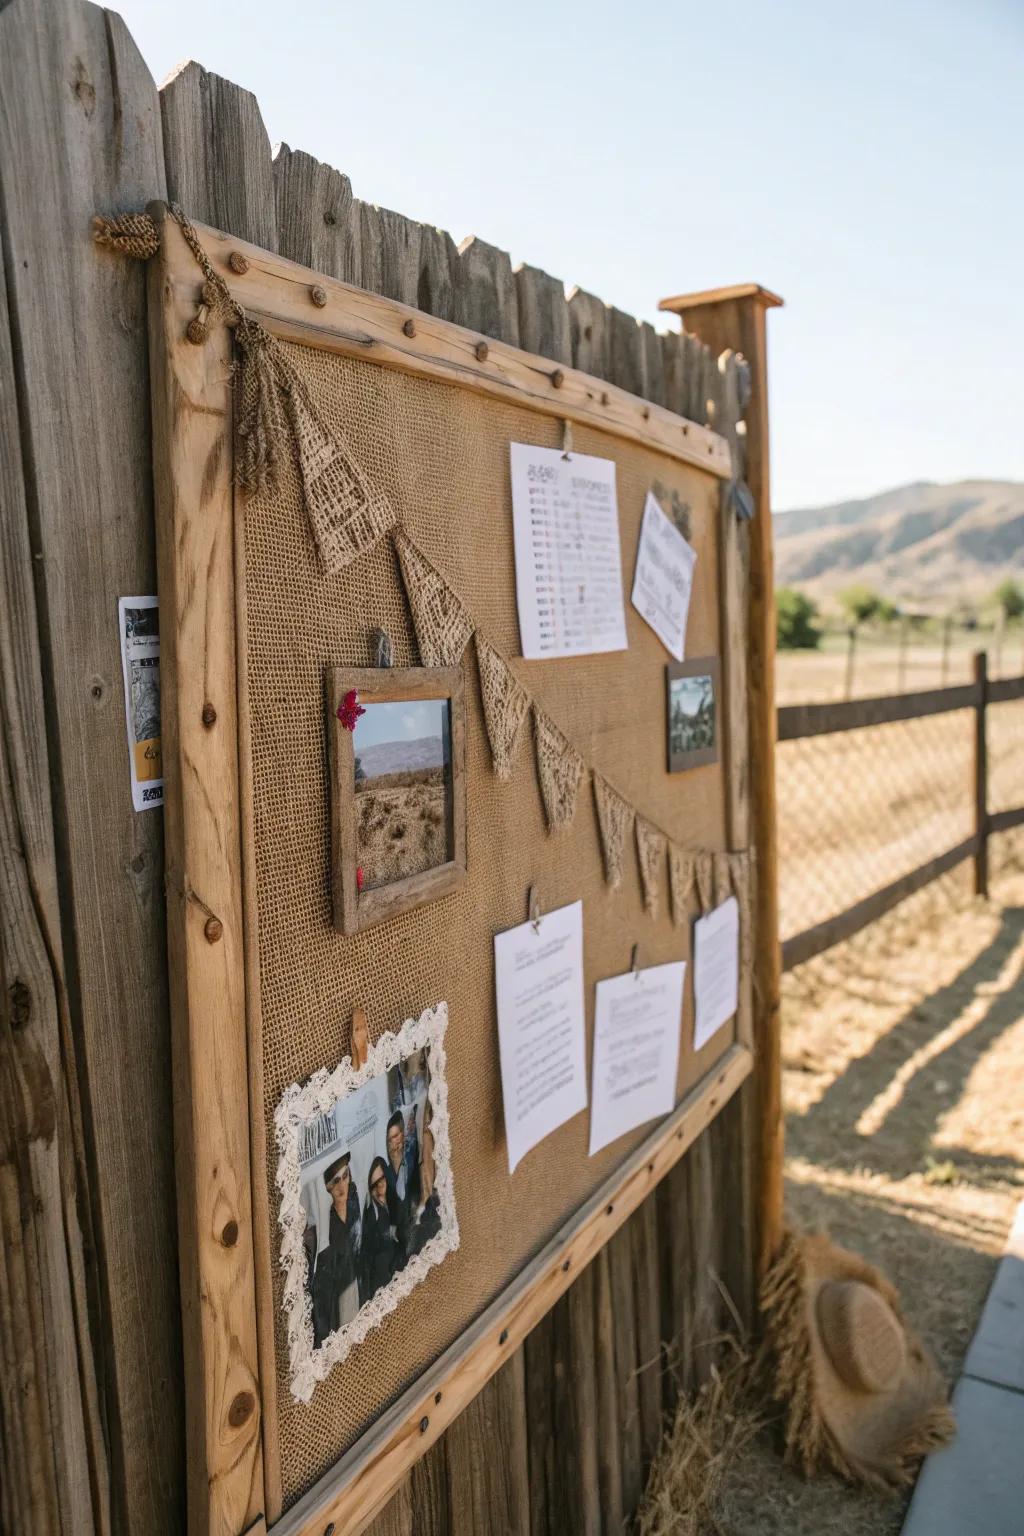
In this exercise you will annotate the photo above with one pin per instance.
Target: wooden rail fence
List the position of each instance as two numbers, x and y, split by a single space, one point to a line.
796 722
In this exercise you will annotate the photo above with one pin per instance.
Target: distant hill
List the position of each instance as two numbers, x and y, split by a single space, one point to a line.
402 756
926 544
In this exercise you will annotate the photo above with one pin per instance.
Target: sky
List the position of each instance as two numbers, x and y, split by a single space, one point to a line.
861 161
409 720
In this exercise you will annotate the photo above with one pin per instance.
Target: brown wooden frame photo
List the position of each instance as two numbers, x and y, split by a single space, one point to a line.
356 908
693 757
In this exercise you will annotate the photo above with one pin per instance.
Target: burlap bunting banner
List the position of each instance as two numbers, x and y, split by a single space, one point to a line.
442 625
560 769
740 879
505 704
682 873
346 516
650 849
614 818
704 870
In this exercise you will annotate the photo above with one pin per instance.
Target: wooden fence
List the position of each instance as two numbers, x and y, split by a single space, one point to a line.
91 1433
798 722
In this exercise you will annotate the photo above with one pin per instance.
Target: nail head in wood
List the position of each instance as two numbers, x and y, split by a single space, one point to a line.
318 295
503 1336
565 1267
557 378
482 351
424 1424
213 929
437 1398
409 328
238 263
209 715
241 1408
604 397
229 1236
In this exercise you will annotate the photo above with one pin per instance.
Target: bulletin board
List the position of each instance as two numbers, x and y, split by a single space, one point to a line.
265 983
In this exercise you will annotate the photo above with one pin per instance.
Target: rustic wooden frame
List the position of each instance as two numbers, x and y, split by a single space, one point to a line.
701 666
226 1244
356 909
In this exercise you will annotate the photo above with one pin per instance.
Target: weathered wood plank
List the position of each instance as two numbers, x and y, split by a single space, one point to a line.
74 88
397 1519
487 291
626 359
647 1305
488 1458
437 290
653 365
607 1426
428 1493
41 1140
543 314
672 368
798 720
588 333
218 155
705 1217
621 1251
390 253
675 1284
316 223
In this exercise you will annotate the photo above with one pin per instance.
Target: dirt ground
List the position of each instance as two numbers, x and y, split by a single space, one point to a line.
903 1061
401 828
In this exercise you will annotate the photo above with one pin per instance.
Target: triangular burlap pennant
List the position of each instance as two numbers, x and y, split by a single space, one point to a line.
560 770
740 878
703 864
442 625
346 515
614 817
505 704
650 849
681 876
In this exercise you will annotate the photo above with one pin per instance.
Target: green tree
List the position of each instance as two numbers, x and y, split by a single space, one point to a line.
796 621
1009 596
862 603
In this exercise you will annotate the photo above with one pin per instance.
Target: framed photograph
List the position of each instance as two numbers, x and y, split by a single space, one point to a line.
367 1199
398 789
693 704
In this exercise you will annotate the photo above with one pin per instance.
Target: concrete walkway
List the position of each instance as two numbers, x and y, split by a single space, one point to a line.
976 1486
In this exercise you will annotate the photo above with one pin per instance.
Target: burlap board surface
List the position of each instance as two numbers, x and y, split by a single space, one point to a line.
442 454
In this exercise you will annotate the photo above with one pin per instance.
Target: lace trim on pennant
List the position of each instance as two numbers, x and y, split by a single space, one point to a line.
682 874
560 770
505 704
704 869
346 516
299 1103
615 818
650 848
442 625
740 869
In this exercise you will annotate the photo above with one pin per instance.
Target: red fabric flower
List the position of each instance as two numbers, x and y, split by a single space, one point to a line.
350 709
359 877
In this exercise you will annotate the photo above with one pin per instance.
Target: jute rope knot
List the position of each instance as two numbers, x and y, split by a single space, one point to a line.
131 234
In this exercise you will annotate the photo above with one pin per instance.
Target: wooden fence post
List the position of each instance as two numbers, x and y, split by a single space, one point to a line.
981 774
851 656
735 318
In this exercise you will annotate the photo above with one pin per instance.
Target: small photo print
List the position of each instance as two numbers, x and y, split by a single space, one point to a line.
367 1153
403 785
692 713
139 625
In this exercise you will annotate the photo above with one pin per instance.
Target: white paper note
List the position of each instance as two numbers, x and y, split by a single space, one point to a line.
541 1034
568 561
138 622
663 579
716 970
637 1024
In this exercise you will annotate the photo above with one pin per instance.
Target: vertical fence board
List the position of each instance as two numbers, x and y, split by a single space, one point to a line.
609 1446
218 155
74 88
653 365
627 1368
626 359
672 367
543 314
315 215
487 291
390 253
675 1283
588 333
488 1458
437 289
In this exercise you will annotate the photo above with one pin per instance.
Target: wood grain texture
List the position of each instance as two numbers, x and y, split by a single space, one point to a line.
390 253
626 357
191 392
74 88
673 364
438 289
543 314
628 1363
607 1438
653 365
588 333
218 155
644 1251
487 291
317 224
50 1427
488 1460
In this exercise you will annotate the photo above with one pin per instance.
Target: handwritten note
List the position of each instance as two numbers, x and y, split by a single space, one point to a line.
716 970
663 579
568 562
541 1037
636 1050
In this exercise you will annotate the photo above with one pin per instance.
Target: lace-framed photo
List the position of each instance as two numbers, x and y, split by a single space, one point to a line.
398 789
367 1197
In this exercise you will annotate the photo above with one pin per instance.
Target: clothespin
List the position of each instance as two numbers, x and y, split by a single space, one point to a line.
383 650
358 1052
533 910
566 438
634 963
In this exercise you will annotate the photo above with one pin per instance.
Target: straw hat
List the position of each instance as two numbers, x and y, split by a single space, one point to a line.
862 1397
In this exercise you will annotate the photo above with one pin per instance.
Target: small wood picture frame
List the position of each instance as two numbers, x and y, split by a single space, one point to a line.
397 751
693 702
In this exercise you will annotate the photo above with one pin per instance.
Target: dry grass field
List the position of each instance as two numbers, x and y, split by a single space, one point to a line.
401 825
